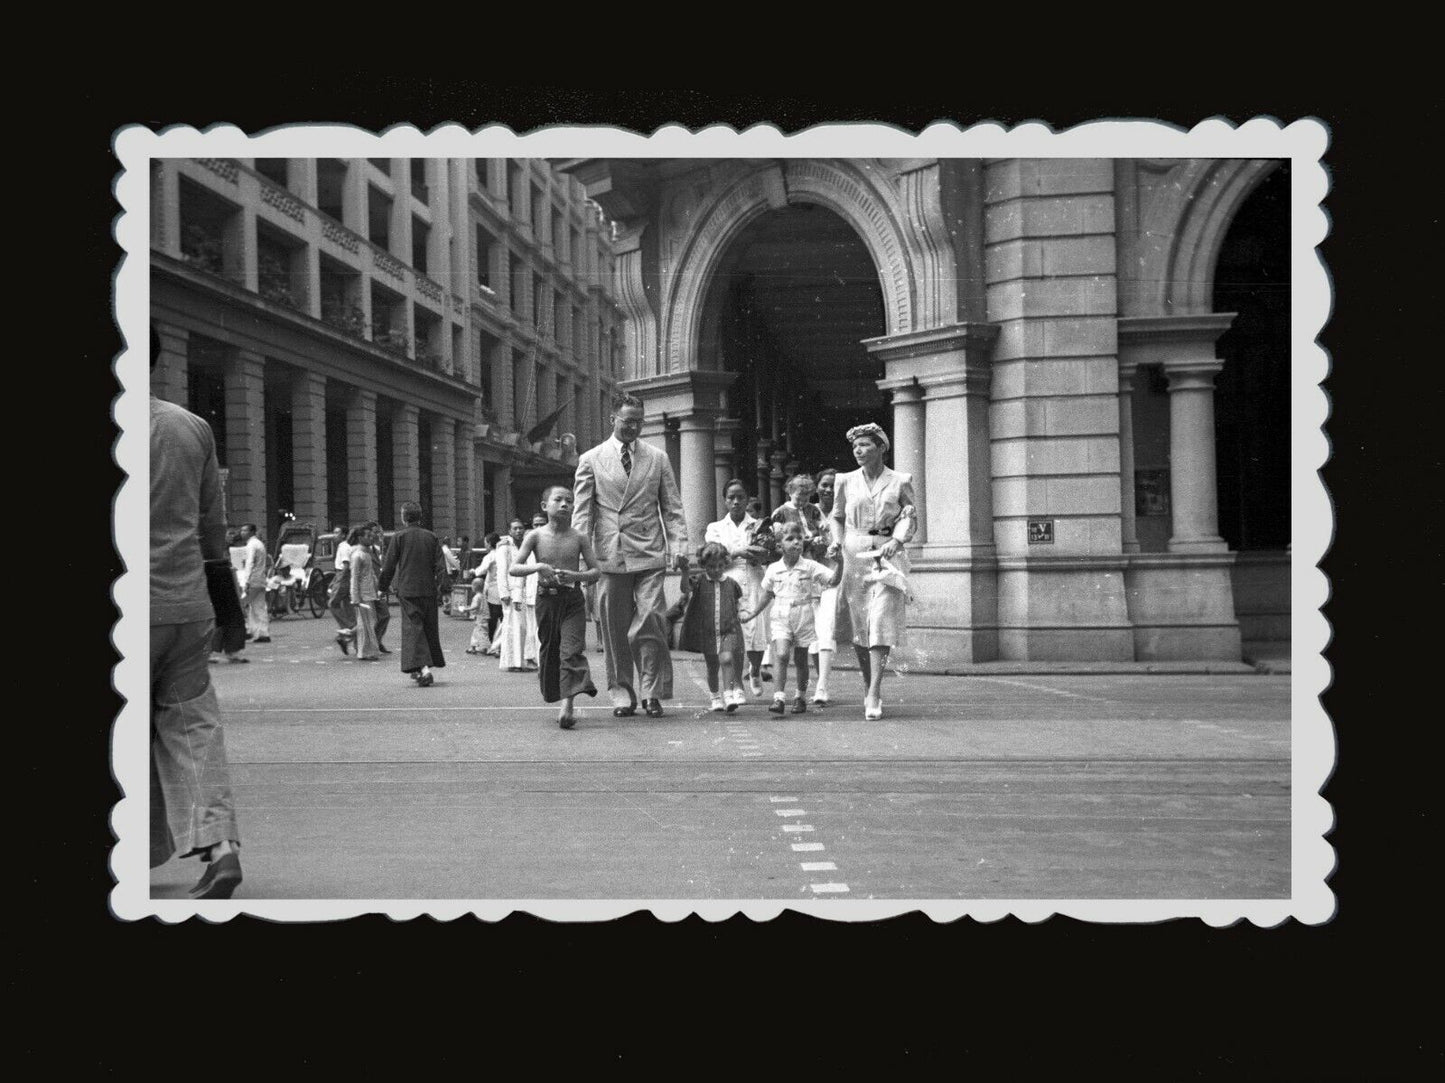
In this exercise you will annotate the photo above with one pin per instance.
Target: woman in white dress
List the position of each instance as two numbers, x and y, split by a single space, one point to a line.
734 532
827 607
873 513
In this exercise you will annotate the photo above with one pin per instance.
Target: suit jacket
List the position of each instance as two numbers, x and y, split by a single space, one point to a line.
635 521
414 566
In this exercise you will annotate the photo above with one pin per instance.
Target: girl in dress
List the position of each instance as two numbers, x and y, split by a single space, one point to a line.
711 627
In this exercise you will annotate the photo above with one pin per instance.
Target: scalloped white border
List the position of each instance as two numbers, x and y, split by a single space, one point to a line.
1312 738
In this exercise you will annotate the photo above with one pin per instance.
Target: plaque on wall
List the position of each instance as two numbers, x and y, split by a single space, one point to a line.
1151 492
1041 532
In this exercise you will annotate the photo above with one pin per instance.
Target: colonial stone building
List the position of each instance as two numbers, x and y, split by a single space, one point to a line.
1083 363
361 332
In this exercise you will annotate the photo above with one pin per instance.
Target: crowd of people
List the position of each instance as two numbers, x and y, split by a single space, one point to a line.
771 597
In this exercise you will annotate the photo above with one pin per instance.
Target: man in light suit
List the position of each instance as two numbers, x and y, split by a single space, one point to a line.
627 504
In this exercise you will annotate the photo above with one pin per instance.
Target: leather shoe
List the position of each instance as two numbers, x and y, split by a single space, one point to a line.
382 649
220 879
426 680
344 644
652 708
567 721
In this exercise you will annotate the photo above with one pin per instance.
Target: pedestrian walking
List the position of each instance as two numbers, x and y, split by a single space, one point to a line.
339 599
737 532
792 585
486 571
512 655
364 594
375 537
192 811
553 555
414 563
874 514
253 586
711 626
628 507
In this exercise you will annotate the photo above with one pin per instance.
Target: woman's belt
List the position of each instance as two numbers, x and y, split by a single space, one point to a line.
558 590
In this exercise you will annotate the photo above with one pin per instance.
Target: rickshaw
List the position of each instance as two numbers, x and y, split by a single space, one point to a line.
301 571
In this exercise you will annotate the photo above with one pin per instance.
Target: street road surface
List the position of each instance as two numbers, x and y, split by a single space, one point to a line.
351 783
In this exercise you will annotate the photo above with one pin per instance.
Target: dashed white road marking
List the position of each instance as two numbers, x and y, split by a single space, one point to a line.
829 889
807 847
817 866
797 827
1044 688
782 800
789 812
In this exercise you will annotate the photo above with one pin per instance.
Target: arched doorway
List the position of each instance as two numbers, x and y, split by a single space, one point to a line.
794 296
1252 414
1252 391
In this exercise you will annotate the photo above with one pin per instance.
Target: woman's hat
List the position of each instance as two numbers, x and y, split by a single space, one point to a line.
870 430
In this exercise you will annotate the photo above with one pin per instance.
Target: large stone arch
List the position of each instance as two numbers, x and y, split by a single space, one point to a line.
1191 214
870 205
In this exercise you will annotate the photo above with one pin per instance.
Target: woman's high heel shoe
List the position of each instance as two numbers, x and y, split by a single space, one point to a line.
872 708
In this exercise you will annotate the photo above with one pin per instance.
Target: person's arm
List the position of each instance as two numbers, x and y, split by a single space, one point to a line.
438 564
669 506
907 521
356 563
764 600
584 547
388 569
584 485
525 567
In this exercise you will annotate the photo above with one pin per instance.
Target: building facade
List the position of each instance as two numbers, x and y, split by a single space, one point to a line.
362 332
1084 364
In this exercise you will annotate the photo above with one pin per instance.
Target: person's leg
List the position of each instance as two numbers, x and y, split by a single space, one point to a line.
879 662
576 674
433 636
383 618
413 653
494 620
800 660
825 667
781 649
366 633
263 611
713 662
755 668
549 631
865 667
616 603
189 750
648 635
533 639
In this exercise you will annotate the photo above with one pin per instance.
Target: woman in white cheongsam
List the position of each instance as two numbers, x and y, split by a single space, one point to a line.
873 512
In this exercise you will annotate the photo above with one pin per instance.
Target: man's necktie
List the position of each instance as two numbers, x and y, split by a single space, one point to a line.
626 458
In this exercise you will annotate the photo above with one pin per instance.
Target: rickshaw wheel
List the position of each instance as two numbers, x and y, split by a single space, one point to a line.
316 595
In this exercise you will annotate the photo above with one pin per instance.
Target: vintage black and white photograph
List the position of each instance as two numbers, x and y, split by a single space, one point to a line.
853 522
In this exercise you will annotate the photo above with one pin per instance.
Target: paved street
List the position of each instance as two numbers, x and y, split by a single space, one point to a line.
352 783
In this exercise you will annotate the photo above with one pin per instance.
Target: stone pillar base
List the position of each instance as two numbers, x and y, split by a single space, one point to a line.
954 616
1182 605
1063 609
1261 582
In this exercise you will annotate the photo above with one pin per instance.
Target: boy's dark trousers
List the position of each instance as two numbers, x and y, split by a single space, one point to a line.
562 629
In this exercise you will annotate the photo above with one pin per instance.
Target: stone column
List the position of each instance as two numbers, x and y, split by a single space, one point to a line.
697 481
958 447
466 483
775 480
760 490
910 442
444 473
361 455
246 438
1129 523
723 453
170 379
1192 491
405 465
308 449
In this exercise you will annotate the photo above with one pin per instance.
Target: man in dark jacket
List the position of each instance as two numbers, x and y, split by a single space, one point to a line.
413 570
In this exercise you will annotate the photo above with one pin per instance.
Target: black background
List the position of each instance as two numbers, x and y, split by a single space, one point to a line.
1169 1001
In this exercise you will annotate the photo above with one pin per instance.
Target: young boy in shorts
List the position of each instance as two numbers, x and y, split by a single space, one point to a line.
552 553
791 585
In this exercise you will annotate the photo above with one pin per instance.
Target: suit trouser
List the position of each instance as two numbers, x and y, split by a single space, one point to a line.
258 614
191 804
634 633
383 617
339 603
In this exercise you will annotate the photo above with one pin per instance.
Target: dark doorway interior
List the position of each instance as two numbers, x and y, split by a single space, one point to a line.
280 467
424 472
1252 393
386 504
795 295
337 502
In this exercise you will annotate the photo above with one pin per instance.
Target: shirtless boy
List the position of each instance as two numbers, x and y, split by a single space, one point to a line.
552 553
